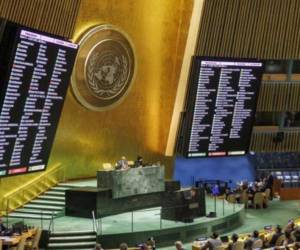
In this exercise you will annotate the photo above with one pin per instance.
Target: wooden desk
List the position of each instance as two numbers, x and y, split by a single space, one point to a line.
289 194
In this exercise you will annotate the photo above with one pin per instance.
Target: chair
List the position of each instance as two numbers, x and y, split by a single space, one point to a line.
231 198
257 244
21 244
258 200
36 240
280 240
239 245
1 244
244 198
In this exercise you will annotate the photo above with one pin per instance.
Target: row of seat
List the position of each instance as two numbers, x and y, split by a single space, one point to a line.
260 199
27 243
277 160
261 241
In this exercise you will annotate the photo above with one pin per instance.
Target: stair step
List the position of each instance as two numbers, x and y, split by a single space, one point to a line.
71 233
72 245
35 211
47 202
52 197
28 216
66 185
55 193
43 207
74 238
59 189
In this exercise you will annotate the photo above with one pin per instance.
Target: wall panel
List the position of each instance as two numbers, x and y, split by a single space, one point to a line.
264 141
256 28
54 16
140 124
279 96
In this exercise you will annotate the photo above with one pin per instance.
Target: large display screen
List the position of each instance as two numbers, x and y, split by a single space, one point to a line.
36 69
220 106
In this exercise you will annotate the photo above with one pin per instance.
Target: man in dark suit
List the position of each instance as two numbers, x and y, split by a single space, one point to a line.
139 162
275 236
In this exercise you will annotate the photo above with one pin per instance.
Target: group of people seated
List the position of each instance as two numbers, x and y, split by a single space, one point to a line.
261 185
124 165
287 238
23 237
148 245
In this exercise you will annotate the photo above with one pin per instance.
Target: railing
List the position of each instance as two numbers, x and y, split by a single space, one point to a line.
95 223
39 222
32 189
153 218
51 224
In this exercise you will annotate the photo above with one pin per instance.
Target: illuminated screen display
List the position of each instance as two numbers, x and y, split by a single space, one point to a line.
36 69
220 106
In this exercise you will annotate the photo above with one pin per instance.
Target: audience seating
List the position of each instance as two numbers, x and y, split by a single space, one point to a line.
257 244
280 240
262 242
21 245
34 243
239 245
283 166
244 198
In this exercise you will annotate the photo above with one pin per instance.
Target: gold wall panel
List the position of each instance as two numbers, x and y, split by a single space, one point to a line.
54 16
140 124
250 28
279 97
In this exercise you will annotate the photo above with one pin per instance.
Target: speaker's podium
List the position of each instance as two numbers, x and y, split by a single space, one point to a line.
118 191
184 205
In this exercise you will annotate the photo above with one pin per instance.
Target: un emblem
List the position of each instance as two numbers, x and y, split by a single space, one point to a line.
104 68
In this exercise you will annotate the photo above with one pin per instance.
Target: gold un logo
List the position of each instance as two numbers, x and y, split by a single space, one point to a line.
104 68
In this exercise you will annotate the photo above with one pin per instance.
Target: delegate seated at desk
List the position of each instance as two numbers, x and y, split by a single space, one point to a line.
122 164
139 162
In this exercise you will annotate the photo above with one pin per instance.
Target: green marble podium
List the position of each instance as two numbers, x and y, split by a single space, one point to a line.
133 181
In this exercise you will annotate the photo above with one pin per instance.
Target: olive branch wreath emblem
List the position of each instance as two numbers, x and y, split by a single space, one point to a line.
119 82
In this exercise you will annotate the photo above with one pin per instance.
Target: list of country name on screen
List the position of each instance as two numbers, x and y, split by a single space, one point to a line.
224 107
32 100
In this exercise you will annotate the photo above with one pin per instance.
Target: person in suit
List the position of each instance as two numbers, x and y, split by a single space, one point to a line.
213 242
138 162
275 236
122 164
269 184
253 240
2 227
